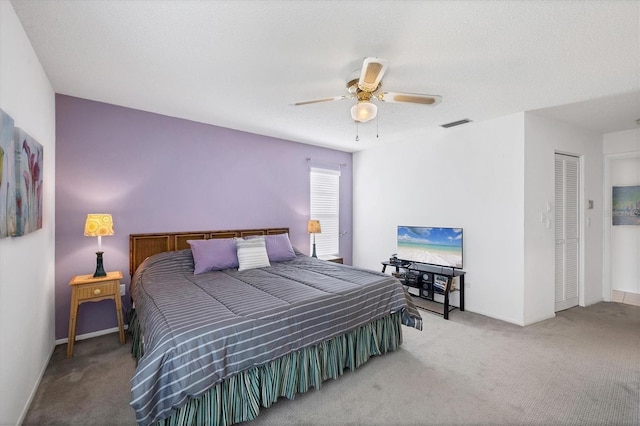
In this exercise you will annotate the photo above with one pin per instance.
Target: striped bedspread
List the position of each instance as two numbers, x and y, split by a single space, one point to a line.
201 329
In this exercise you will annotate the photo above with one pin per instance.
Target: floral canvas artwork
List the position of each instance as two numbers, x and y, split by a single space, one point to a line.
7 177
29 162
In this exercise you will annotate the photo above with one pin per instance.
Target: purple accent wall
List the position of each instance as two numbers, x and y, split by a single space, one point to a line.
155 173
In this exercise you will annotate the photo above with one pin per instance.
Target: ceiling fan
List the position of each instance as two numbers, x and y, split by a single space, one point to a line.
367 88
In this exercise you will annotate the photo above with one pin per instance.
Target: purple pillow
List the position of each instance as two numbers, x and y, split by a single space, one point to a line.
213 255
279 248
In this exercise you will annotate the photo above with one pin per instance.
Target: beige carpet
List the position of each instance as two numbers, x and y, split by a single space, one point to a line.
580 368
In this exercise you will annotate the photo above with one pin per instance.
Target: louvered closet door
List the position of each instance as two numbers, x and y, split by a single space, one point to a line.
567 231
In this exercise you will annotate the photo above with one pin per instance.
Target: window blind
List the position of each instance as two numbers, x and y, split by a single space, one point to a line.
325 207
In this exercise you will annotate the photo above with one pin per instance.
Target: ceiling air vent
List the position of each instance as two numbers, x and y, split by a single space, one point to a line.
456 123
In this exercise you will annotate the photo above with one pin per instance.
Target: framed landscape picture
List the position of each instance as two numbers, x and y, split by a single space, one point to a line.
625 205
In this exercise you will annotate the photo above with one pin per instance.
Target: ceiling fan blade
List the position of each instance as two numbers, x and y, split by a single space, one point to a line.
315 101
372 71
414 98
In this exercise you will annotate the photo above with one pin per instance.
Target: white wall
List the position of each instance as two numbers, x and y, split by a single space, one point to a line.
622 243
27 262
469 176
624 142
543 138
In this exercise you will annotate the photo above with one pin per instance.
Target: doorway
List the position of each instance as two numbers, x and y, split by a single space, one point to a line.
567 231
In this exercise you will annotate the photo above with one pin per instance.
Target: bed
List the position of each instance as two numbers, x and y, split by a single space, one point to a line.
214 346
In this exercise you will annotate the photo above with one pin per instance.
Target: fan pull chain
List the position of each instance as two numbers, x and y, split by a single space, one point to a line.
357 127
377 135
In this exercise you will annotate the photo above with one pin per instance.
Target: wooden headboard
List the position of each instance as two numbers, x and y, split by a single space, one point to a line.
142 246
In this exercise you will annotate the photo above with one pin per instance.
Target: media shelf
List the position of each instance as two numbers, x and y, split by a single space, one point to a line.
430 280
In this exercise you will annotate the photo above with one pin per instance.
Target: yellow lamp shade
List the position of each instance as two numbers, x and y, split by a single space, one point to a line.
313 227
98 225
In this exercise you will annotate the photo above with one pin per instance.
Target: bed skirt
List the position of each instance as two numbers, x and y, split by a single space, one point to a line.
239 398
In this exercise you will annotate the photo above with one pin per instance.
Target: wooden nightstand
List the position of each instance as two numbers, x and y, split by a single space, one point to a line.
86 288
334 259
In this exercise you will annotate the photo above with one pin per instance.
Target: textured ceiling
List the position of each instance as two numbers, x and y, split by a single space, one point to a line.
240 64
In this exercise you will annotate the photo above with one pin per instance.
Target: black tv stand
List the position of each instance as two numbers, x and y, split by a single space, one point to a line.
421 276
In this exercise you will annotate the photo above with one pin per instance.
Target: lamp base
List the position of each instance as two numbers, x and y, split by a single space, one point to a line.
314 250
99 268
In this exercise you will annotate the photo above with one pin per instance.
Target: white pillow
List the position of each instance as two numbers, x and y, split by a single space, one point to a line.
252 253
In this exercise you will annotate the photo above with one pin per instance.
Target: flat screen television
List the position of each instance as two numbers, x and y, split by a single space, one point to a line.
433 246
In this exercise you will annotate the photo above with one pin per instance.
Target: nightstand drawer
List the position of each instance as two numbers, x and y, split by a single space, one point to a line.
97 290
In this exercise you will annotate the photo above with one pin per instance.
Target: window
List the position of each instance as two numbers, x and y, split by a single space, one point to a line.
325 207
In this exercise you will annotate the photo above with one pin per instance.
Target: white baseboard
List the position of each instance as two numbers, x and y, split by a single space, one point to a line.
93 334
497 317
538 319
35 387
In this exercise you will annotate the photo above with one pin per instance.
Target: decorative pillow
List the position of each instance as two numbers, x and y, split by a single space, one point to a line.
279 247
252 253
213 255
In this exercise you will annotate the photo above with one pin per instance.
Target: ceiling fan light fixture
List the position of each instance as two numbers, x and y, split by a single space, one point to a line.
364 111
366 86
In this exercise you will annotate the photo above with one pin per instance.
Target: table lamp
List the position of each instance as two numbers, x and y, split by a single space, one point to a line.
313 227
98 225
